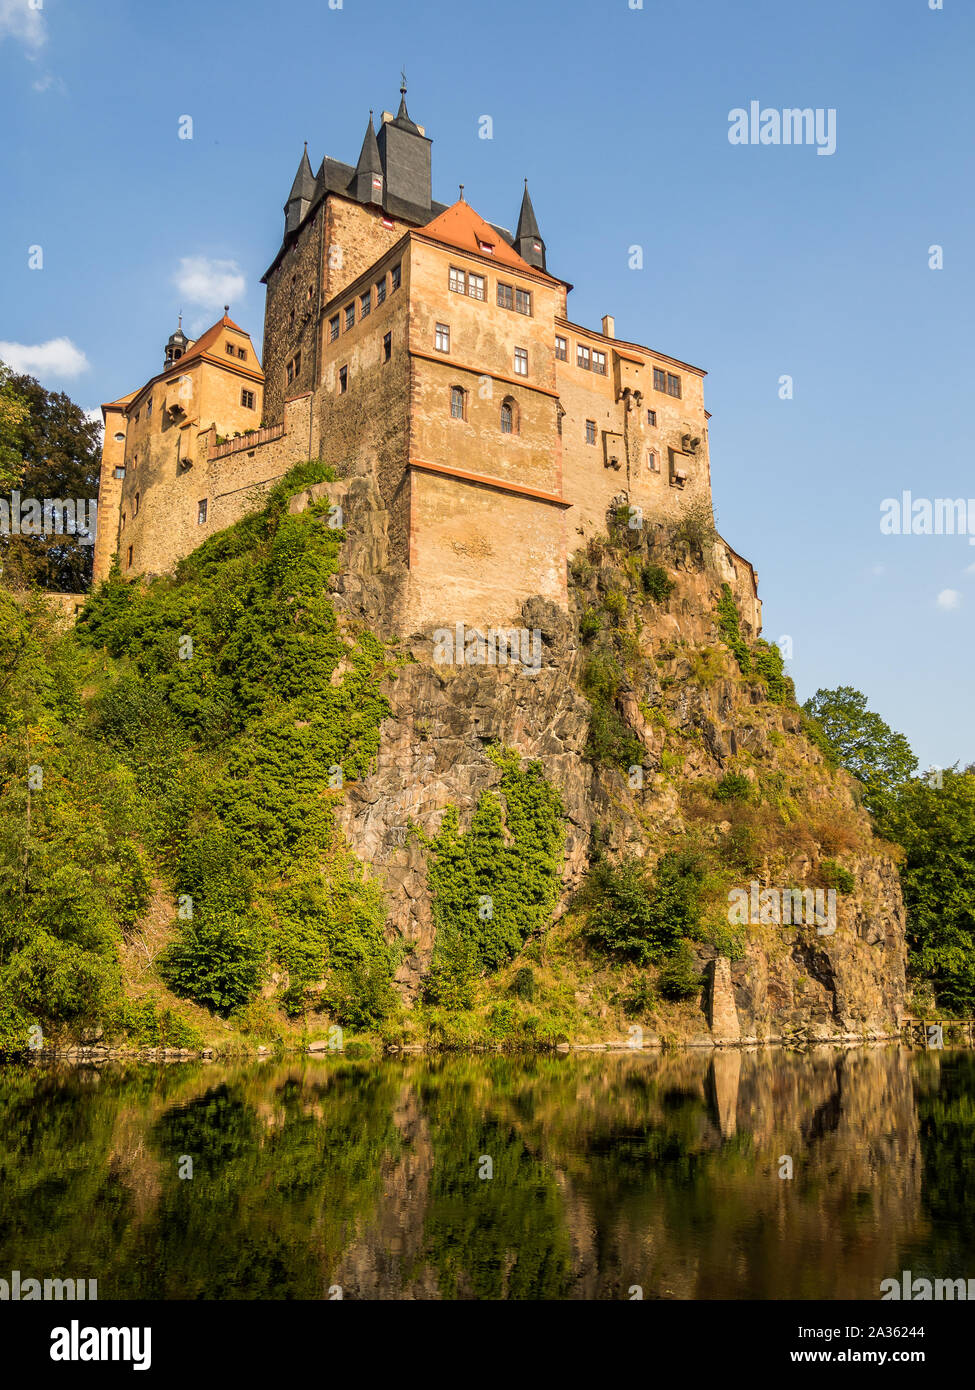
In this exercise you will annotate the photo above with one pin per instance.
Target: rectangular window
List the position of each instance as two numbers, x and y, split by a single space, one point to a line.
561 348
135 505
291 372
349 316
652 462
120 472
582 357
673 385
149 408
394 278
456 402
457 281
333 328
506 296
475 285
443 337
247 399
380 291
343 380
659 379
521 361
230 349
201 512
651 417
523 301
590 431
242 352
599 362
387 347
365 305
129 557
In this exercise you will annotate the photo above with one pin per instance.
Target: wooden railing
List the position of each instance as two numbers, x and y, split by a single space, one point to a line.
246 441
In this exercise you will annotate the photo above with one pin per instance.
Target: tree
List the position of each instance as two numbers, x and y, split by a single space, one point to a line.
863 743
14 411
58 450
936 827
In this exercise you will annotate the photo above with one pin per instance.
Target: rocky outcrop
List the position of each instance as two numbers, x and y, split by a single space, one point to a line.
694 715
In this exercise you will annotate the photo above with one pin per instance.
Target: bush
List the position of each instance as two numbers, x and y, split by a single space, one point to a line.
706 666
835 876
630 917
589 625
218 960
733 786
679 978
523 984
655 583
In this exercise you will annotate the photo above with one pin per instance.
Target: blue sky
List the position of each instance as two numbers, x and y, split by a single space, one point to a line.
760 261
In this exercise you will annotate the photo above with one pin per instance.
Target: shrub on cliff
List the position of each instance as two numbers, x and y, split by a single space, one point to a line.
633 917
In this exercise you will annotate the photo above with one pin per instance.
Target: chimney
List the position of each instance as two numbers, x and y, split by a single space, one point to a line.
609 326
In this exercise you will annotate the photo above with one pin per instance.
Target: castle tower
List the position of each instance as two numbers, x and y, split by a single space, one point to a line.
405 153
175 346
528 239
301 195
367 185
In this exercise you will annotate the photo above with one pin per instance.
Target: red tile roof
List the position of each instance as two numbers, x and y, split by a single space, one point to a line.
466 229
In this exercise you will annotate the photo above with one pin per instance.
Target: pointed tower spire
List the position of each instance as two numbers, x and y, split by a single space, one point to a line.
528 239
301 195
367 182
402 115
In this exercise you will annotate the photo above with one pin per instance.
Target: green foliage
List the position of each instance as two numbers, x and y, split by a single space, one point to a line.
219 960
615 604
679 976
733 786
655 583
863 743
523 984
835 876
632 917
610 740
936 827
706 666
729 626
143 1024
589 625
769 665
495 885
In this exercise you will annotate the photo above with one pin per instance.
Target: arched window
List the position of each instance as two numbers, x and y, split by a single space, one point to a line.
458 403
509 416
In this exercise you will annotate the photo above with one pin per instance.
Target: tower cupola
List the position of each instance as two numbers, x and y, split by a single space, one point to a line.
301 195
528 239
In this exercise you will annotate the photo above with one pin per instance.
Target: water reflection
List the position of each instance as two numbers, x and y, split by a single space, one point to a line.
494 1177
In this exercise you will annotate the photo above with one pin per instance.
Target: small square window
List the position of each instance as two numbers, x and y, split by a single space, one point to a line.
442 337
247 399
201 512
599 362
343 380
582 357
365 305
395 276
387 346
333 328
521 361
651 417
475 286
561 349
505 296
380 291
120 472
590 431
523 301
659 379
349 317
457 281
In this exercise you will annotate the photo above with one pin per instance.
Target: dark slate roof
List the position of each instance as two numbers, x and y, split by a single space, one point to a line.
304 184
403 117
369 161
527 225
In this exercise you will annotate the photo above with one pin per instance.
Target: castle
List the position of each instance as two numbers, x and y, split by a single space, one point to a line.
420 347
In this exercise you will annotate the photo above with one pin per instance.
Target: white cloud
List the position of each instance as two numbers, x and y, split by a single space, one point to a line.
95 417
45 83
878 570
211 283
970 569
57 357
19 21
948 599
